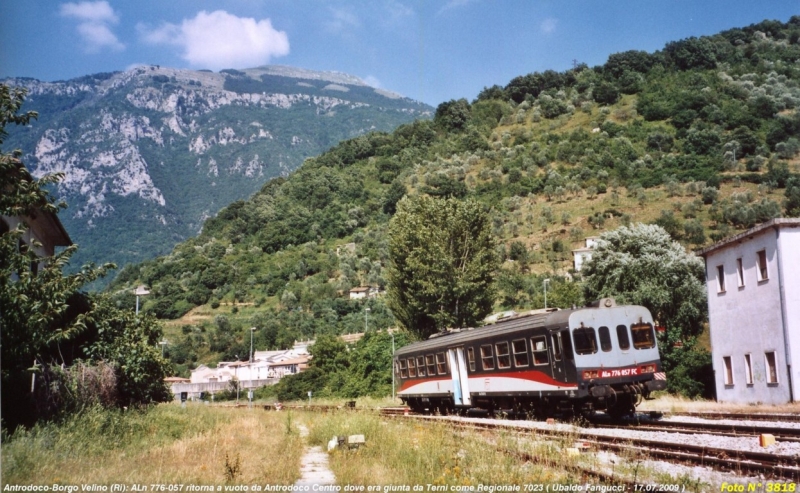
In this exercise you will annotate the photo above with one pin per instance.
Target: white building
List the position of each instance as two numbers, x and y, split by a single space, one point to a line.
581 255
265 365
753 283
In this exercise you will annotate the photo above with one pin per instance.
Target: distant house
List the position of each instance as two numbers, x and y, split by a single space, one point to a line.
266 365
753 284
359 293
581 255
44 228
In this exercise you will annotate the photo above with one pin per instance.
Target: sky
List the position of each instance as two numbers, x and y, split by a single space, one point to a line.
428 50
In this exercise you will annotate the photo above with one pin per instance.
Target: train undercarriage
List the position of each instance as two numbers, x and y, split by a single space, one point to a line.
617 401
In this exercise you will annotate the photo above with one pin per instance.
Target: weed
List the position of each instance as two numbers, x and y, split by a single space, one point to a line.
233 467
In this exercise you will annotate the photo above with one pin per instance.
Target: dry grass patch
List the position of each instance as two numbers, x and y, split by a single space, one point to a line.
197 444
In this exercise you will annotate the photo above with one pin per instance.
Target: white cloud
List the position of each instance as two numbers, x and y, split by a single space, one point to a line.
220 40
454 4
549 25
94 28
341 21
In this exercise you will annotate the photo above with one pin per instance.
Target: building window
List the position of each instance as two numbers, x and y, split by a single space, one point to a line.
471 358
487 360
748 370
720 279
763 275
772 367
740 272
726 360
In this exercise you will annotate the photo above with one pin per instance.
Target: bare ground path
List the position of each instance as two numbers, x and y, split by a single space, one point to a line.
314 465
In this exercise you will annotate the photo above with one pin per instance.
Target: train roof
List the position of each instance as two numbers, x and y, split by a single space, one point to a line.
551 319
555 318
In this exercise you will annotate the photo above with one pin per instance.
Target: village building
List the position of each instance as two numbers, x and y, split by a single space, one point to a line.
753 284
582 255
45 231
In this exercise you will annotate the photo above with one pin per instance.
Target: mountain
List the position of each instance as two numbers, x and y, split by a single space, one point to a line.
150 153
702 138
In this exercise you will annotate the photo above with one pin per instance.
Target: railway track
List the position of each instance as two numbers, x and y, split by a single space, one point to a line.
781 434
767 465
786 417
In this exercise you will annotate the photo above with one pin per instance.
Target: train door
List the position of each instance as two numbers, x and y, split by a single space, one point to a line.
458 372
569 357
562 358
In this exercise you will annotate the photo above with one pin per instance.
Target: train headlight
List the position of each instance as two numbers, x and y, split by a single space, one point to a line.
589 374
647 369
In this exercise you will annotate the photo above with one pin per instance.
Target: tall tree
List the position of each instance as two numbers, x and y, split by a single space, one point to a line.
642 265
443 264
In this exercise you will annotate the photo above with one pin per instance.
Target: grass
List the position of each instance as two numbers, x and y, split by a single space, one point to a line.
674 403
197 444
222 445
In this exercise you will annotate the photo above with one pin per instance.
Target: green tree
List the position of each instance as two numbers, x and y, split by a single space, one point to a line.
642 265
443 264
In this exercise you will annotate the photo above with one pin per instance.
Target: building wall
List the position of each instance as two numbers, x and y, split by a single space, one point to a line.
747 319
789 241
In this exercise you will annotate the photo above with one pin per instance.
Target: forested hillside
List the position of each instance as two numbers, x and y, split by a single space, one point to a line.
701 137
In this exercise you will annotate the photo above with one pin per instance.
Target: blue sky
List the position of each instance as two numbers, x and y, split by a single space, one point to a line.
430 50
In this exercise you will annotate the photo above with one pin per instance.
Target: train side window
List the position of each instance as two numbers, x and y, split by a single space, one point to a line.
585 340
566 345
503 358
487 360
556 346
412 368
643 336
421 366
441 364
403 369
520 353
539 350
622 337
605 338
431 364
471 358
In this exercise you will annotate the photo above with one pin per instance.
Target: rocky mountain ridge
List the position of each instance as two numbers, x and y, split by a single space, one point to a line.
149 153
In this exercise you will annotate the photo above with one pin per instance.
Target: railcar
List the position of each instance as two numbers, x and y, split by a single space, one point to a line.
601 357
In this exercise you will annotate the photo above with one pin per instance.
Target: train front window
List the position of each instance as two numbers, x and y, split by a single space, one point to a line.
487 360
421 366
520 353
412 368
441 364
471 358
643 336
431 364
539 350
503 358
585 340
605 338
403 369
622 337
